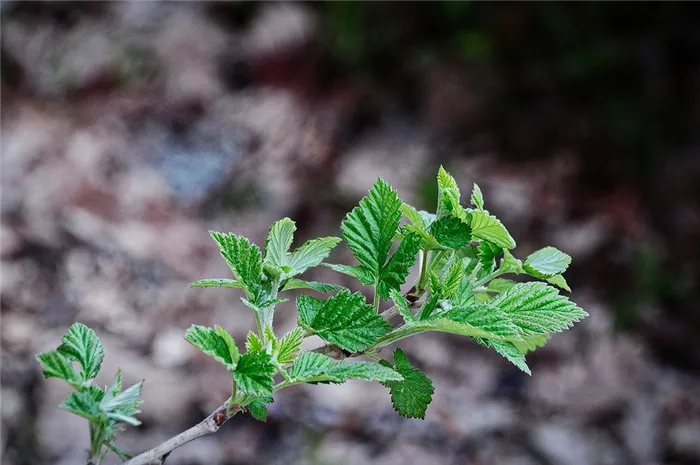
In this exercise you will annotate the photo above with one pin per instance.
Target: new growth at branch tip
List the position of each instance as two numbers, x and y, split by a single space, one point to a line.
469 283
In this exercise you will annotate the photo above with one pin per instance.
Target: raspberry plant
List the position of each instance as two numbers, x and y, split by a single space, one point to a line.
461 253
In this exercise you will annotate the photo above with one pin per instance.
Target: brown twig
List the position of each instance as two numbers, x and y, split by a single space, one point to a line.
209 425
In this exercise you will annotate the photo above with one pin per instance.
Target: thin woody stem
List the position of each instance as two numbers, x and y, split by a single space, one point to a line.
209 425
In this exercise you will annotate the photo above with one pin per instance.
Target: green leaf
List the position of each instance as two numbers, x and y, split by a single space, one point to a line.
370 227
344 319
217 282
394 274
311 254
500 285
309 365
487 254
429 242
57 365
289 346
477 197
559 281
230 343
486 318
537 308
115 388
451 232
82 345
123 418
546 263
254 374
253 343
126 402
489 228
463 296
209 341
411 396
356 271
315 367
453 280
510 264
244 259
413 216
324 288
402 304
85 403
279 239
258 410
531 343
448 194
509 351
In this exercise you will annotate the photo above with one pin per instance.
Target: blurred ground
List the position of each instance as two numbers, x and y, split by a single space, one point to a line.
130 129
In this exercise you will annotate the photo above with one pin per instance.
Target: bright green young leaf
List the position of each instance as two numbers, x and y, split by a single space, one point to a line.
451 232
448 194
258 410
290 346
429 242
411 396
489 228
530 343
127 400
510 264
546 263
211 343
217 282
57 365
356 271
486 318
279 240
500 285
311 254
85 403
244 259
230 343
254 374
477 197
487 254
394 274
123 418
344 319
559 281
537 308
370 227
464 295
509 351
413 216
324 288
453 279
82 345
402 304
253 343
115 388
314 367
310 365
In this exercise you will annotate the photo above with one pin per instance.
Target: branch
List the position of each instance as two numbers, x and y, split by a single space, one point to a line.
209 425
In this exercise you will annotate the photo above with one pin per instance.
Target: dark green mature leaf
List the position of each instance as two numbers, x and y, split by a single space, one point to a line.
356 271
290 346
394 274
477 197
311 254
509 351
344 319
85 403
448 194
487 254
537 308
213 342
57 365
258 410
244 259
254 374
489 228
411 396
217 282
370 227
451 232
546 263
82 345
325 288
279 240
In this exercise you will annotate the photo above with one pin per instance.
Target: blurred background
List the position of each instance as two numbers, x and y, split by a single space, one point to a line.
130 129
